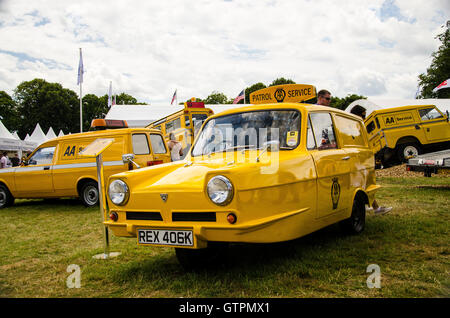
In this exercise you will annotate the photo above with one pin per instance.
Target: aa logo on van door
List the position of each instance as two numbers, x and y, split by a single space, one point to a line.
335 192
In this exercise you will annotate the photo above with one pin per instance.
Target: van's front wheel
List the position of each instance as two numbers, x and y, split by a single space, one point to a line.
89 193
408 150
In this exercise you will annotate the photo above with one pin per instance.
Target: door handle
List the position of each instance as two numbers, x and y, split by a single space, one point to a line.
346 158
46 168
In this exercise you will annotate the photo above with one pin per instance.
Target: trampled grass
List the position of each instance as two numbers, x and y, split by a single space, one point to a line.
40 239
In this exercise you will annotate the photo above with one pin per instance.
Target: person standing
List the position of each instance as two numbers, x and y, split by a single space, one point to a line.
324 97
176 151
3 160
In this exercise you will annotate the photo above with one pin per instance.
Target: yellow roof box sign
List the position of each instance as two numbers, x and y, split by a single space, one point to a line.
288 93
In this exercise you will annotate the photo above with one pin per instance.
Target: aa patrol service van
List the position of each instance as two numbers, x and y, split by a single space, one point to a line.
255 174
405 132
55 169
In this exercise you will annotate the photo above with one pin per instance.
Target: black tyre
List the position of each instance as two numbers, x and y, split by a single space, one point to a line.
6 198
408 150
356 223
214 256
89 193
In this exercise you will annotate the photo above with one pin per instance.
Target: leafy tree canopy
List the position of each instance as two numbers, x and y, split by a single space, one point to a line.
438 71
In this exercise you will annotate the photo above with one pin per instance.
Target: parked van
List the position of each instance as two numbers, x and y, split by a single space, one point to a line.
55 169
256 174
405 132
184 124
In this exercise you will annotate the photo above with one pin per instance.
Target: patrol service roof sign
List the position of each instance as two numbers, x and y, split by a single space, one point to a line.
289 93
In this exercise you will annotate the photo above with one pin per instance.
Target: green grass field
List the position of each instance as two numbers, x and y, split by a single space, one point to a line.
40 239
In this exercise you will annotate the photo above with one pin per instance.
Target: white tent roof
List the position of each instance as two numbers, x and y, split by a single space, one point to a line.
50 134
15 135
142 115
38 135
374 104
7 140
61 133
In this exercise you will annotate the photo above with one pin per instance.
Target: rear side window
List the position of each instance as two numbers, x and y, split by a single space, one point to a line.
157 144
351 132
429 113
140 144
323 130
370 127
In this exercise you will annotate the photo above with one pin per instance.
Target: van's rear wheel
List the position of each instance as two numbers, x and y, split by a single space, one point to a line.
89 193
6 198
408 150
356 223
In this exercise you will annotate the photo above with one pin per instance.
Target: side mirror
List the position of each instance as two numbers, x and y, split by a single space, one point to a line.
447 115
272 145
128 158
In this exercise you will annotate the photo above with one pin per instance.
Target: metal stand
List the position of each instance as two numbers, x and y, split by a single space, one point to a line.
102 202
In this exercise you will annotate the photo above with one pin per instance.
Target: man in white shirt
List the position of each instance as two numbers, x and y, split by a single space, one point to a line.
176 151
3 160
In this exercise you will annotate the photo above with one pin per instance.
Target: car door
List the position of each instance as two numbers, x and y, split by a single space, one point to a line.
434 124
35 179
332 165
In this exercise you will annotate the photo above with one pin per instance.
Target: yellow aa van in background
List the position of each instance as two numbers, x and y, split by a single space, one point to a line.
256 174
400 133
184 124
55 169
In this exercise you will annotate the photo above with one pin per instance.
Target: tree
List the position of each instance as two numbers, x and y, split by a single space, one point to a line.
282 81
342 103
250 90
8 111
48 104
438 71
217 98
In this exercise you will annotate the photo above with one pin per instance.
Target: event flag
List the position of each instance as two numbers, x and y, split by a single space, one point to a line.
239 97
174 97
80 70
444 84
110 95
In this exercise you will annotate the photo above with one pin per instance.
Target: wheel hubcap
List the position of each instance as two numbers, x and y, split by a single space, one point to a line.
91 195
410 151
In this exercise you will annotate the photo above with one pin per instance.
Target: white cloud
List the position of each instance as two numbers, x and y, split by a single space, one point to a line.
150 48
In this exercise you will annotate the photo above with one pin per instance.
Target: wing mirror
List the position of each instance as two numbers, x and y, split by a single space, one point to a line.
129 158
271 145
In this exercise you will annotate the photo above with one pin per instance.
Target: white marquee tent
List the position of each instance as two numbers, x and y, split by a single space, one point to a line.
374 104
142 115
38 135
50 134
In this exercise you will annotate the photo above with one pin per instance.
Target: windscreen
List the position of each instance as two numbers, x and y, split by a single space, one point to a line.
249 130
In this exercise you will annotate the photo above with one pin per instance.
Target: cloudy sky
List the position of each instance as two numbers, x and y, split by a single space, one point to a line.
149 48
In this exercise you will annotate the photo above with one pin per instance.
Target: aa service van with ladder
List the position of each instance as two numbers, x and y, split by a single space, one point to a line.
55 169
405 132
184 124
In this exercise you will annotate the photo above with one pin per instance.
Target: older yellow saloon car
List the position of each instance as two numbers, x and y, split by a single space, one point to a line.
261 173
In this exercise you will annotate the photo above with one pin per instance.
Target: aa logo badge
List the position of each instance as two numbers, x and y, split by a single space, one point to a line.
335 192
279 95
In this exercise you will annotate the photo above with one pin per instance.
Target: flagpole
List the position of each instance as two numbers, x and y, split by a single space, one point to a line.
81 101
244 96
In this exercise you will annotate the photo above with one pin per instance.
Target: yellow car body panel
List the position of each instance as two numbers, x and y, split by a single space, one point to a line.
280 196
60 175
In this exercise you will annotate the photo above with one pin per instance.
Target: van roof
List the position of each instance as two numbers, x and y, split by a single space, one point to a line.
394 109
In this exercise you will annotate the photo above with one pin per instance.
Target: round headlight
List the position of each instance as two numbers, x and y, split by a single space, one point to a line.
118 192
220 190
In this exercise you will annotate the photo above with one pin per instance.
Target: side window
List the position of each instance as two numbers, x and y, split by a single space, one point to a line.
140 144
157 144
322 125
351 131
310 140
187 122
173 125
429 113
43 156
370 127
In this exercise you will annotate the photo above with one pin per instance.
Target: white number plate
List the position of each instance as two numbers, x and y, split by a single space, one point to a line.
165 237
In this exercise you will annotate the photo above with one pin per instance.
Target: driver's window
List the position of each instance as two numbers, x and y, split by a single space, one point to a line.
43 156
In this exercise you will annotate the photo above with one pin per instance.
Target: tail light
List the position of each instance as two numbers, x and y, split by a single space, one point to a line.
154 162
